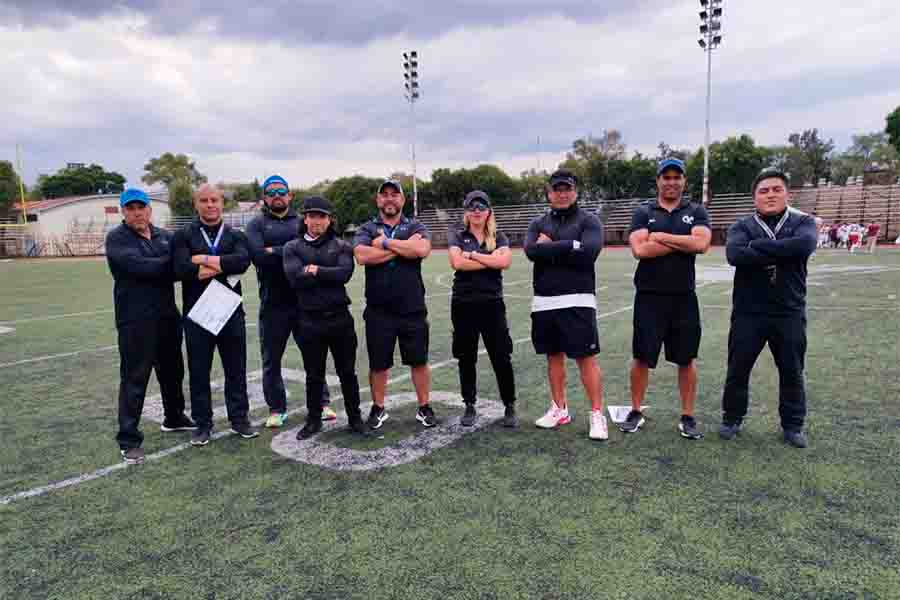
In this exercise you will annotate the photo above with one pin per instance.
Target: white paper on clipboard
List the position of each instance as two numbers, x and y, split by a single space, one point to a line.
215 307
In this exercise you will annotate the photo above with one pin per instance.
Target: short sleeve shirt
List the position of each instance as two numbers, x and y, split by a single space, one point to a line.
675 272
395 286
475 286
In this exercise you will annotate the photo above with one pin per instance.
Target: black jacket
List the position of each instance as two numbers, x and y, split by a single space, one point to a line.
325 291
270 231
143 274
559 268
771 274
232 251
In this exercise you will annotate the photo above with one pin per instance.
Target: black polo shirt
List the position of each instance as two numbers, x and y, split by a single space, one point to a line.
673 273
475 286
395 286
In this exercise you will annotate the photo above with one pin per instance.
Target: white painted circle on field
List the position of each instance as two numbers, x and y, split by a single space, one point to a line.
892 296
326 455
6 329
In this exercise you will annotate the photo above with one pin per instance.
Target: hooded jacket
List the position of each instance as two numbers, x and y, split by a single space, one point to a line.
326 290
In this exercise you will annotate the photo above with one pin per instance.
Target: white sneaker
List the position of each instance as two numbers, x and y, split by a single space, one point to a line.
598 426
554 417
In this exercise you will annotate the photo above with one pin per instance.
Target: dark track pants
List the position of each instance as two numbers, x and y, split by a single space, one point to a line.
488 320
276 325
145 345
232 345
786 336
319 333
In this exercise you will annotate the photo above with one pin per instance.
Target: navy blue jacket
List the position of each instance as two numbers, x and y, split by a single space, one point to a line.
770 275
232 251
143 274
270 231
325 291
559 268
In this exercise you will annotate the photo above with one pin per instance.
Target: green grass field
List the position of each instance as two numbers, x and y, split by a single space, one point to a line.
498 514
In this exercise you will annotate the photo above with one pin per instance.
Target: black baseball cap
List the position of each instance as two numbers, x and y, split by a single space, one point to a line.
768 173
317 204
563 176
477 198
392 182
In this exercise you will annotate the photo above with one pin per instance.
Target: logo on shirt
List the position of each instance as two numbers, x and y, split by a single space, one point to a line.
688 219
652 221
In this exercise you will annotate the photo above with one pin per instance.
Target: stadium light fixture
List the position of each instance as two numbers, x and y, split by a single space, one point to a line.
411 85
710 39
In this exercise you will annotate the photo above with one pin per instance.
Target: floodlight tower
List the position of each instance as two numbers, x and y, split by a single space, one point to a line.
411 75
710 39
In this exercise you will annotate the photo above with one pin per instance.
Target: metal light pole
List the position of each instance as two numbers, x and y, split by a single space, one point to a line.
710 39
411 75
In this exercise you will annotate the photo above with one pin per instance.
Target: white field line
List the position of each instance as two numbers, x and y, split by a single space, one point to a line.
73 481
55 356
54 317
843 309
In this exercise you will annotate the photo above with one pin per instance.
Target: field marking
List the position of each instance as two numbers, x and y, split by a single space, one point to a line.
838 308
27 361
73 481
6 329
54 317
330 456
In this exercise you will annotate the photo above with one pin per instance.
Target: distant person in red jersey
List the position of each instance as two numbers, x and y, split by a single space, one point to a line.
872 232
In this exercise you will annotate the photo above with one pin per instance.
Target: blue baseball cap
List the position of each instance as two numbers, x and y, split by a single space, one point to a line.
133 195
670 163
275 179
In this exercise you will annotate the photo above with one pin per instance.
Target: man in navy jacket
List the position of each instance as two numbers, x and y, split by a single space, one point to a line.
147 321
770 250
204 250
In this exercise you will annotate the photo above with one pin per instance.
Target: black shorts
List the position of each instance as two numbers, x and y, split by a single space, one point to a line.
571 331
670 319
384 330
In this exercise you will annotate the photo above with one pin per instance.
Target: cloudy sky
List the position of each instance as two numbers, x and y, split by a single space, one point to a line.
313 89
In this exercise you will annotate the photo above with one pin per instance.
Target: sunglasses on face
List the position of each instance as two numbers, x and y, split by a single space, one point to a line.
272 192
478 208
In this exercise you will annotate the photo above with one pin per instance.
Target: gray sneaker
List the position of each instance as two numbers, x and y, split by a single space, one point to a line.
468 418
510 419
632 422
687 427
200 437
133 456
727 431
795 438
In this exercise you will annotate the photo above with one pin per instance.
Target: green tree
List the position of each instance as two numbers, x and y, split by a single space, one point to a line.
181 201
81 181
892 128
169 168
353 199
733 164
9 186
809 156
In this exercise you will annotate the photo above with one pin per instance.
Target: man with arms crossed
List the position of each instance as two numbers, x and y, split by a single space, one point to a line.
770 250
147 321
267 234
204 250
564 244
392 247
665 236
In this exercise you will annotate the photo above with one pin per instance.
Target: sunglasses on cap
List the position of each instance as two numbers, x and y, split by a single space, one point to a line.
272 192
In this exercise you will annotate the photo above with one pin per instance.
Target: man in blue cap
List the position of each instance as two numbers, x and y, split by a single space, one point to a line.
148 324
666 235
267 235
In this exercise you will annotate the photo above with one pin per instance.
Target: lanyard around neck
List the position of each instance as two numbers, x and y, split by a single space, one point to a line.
768 230
213 246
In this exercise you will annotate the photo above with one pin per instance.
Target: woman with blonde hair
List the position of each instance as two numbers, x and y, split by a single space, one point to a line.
479 254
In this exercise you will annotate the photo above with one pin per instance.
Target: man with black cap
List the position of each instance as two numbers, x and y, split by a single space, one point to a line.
147 321
769 250
564 244
204 250
267 235
479 254
318 265
666 235
392 247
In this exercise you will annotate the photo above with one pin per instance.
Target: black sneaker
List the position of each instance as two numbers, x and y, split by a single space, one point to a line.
509 417
633 422
133 456
425 416
359 427
377 416
310 429
244 430
727 431
200 437
687 427
468 418
179 423
795 438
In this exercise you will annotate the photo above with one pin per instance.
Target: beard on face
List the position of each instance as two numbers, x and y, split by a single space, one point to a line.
390 209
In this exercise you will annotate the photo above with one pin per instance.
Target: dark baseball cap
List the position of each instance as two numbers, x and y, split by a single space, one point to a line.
317 204
477 198
670 163
768 173
392 182
563 176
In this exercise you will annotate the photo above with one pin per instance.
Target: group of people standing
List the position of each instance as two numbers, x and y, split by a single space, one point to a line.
851 236
303 267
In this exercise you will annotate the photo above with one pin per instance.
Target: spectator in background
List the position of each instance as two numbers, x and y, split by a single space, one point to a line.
873 230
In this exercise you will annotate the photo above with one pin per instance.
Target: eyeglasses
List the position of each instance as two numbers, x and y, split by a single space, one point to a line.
478 208
272 192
